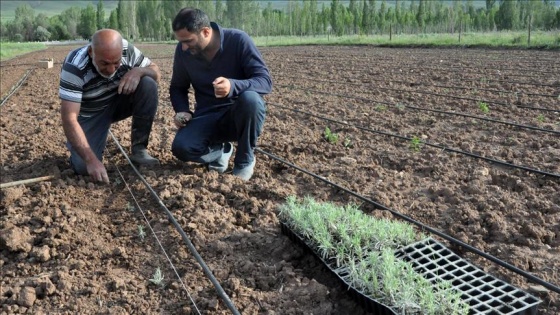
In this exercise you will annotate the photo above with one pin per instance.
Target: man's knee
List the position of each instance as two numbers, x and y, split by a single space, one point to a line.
184 151
251 102
148 84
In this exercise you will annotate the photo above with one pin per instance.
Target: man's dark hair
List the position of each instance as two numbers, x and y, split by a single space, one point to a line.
193 20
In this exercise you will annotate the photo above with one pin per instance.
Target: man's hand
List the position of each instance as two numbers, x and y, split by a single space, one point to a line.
129 81
181 119
97 171
221 87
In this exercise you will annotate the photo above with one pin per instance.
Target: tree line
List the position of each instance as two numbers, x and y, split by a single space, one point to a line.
150 20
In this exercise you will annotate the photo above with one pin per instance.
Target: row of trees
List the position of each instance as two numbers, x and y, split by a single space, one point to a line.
151 19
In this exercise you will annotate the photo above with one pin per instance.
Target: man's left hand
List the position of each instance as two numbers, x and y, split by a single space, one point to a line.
129 81
221 87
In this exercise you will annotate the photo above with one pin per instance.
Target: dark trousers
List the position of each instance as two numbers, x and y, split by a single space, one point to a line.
202 138
141 104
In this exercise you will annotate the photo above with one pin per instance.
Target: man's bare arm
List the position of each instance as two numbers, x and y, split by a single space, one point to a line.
69 112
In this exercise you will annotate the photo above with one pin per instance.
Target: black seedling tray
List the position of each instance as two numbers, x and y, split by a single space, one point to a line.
369 304
484 293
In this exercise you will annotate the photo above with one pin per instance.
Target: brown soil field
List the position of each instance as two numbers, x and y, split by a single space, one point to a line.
71 246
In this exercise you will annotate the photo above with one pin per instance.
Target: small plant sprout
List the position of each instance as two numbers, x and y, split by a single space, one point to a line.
380 108
157 278
130 207
141 232
400 106
347 142
415 144
540 118
330 136
483 106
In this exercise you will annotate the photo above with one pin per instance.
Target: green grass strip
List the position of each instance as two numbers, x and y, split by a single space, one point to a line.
10 50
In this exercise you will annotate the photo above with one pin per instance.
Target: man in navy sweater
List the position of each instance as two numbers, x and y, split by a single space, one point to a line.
229 78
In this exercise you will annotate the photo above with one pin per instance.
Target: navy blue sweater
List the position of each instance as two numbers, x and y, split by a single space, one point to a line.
238 59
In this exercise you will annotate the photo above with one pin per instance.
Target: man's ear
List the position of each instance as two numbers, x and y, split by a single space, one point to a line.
89 50
206 31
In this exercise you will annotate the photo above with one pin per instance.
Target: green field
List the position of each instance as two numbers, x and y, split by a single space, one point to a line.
10 50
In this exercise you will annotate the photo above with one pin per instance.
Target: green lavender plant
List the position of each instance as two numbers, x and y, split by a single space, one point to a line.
483 106
381 108
141 232
415 144
540 118
362 249
157 278
130 207
330 136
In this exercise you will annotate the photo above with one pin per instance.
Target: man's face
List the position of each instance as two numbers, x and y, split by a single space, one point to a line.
195 43
106 62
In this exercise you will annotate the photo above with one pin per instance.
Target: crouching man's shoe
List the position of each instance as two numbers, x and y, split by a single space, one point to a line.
141 157
245 173
221 164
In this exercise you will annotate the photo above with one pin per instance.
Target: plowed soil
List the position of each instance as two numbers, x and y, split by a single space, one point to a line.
71 246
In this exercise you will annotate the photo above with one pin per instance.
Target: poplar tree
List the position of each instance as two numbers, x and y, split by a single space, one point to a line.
100 15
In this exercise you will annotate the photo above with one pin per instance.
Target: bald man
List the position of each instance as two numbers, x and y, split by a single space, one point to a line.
102 83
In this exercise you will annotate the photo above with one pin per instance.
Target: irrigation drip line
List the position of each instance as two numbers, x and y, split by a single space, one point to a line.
16 87
420 92
448 113
156 237
435 85
381 57
223 295
525 168
424 227
483 118
461 69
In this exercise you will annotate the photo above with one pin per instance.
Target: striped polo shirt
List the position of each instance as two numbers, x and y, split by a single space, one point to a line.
80 82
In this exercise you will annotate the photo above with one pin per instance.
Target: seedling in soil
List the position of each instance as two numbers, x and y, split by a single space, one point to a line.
540 118
141 232
381 108
347 143
415 144
130 207
363 249
157 277
330 136
483 107
400 106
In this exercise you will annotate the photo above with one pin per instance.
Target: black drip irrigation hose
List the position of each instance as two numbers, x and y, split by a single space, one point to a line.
16 87
424 92
408 83
460 87
223 295
424 227
451 69
525 168
430 110
483 118
157 239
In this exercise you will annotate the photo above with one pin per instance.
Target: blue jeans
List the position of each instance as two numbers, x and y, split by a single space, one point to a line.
141 104
202 138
